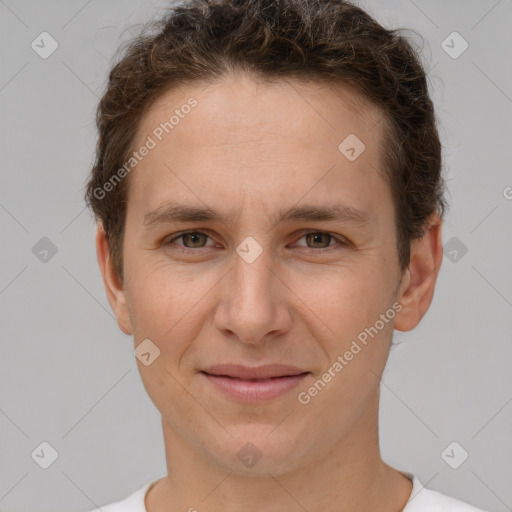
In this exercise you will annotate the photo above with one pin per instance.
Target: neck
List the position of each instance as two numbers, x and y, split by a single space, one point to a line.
350 477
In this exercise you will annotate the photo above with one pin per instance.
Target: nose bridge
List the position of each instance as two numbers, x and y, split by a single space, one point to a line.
249 308
252 279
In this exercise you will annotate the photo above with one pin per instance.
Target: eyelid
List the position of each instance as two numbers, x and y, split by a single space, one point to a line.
342 241
176 236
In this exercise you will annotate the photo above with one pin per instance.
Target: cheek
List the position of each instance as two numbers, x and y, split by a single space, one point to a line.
163 305
356 339
349 300
167 305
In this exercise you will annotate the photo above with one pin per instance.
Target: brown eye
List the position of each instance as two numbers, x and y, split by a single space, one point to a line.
190 241
320 241
317 239
193 240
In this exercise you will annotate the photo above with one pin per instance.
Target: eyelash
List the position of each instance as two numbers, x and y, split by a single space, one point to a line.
187 250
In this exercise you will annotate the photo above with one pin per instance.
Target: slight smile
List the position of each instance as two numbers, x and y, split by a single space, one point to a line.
246 384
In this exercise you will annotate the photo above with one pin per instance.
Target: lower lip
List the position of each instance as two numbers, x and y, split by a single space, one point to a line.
255 390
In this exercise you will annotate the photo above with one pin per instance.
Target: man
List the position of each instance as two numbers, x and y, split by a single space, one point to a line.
269 200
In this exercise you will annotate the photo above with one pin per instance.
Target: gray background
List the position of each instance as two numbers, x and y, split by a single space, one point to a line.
67 373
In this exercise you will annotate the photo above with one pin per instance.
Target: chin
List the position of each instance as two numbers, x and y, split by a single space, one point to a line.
257 449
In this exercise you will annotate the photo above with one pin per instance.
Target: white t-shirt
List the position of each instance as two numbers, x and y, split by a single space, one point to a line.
421 500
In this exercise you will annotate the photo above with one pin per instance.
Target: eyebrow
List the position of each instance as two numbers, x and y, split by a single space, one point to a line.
171 212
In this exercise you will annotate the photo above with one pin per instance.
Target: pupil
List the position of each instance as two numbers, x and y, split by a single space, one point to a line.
194 236
316 236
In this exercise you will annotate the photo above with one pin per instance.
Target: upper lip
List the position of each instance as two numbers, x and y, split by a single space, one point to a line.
255 372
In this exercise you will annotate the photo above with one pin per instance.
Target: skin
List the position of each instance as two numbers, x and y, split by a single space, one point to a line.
250 149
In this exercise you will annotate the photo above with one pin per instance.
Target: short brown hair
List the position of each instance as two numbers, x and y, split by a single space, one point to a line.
328 41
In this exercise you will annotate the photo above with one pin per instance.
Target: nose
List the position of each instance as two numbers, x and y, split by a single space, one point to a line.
253 306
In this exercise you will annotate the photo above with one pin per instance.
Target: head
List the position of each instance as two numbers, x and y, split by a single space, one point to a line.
268 188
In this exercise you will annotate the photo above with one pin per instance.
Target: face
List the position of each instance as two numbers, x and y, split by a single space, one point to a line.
265 278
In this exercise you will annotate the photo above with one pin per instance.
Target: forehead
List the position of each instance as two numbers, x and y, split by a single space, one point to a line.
276 140
239 101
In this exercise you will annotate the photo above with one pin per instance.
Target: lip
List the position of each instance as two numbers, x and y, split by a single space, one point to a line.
252 384
266 371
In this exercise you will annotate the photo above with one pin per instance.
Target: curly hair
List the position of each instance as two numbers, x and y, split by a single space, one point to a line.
325 41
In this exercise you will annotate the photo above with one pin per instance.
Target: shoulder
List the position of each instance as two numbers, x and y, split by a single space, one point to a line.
433 501
427 500
135 502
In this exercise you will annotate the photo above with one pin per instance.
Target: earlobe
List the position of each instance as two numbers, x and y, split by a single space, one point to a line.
420 278
113 286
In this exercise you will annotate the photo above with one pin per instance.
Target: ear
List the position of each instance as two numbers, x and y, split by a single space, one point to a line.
113 286
419 280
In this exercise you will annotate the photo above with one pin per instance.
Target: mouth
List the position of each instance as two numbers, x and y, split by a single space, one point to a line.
246 384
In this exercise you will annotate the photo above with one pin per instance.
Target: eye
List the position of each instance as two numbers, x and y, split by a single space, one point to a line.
197 239
191 239
321 238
